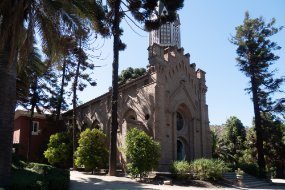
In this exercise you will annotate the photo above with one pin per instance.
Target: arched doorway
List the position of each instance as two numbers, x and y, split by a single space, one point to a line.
180 150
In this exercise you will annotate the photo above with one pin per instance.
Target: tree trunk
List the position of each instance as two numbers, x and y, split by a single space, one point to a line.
9 38
74 102
7 111
60 98
258 129
114 122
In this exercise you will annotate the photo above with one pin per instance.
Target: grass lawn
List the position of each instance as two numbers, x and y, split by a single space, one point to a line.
38 176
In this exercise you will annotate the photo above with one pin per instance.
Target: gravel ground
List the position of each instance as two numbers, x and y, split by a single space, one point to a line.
85 181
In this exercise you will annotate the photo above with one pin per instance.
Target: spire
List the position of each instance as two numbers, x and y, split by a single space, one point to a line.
169 33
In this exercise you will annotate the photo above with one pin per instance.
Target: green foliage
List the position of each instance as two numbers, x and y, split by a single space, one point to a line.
215 141
21 21
249 168
59 150
228 140
249 155
181 169
274 149
39 176
92 151
255 56
130 73
142 153
219 149
234 130
208 169
233 138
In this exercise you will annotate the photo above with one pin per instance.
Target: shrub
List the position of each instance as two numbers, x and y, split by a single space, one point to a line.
142 153
208 169
251 169
59 151
39 176
92 151
181 169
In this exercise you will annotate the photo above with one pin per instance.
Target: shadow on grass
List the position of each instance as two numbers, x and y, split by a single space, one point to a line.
25 179
39 176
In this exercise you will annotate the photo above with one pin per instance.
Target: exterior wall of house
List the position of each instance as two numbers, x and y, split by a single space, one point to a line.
172 86
38 141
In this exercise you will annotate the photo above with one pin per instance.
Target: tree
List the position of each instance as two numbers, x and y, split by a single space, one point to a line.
130 73
219 148
215 140
250 153
273 130
142 153
50 19
92 152
64 67
233 137
141 12
59 150
255 56
274 148
78 83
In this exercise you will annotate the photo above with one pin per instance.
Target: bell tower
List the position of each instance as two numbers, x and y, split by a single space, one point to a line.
169 33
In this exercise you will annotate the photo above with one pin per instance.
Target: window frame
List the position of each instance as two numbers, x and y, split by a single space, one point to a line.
180 127
37 131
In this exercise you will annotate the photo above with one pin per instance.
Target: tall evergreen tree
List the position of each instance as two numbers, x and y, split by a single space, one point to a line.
63 67
255 56
141 10
38 92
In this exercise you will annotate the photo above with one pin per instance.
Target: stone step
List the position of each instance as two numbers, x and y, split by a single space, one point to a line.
248 181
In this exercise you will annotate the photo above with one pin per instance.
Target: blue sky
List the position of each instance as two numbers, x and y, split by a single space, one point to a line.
206 27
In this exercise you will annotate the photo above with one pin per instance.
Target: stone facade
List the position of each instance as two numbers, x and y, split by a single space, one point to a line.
168 103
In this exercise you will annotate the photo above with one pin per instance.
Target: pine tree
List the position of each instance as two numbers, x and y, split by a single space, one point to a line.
255 56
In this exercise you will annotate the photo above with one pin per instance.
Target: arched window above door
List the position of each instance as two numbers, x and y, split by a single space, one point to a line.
179 121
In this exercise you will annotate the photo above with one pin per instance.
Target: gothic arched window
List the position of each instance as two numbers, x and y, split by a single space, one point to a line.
179 121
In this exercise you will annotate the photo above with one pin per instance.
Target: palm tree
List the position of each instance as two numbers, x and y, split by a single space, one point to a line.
51 20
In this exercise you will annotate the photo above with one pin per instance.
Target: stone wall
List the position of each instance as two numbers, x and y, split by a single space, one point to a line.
172 86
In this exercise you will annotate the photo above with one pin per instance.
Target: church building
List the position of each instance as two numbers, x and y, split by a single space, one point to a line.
168 102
